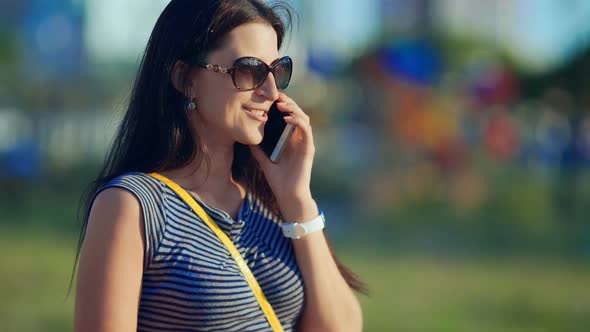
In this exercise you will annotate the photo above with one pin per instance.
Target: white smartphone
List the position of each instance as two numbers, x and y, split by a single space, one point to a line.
276 133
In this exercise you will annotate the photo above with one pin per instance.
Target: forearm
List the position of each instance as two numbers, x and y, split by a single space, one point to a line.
330 303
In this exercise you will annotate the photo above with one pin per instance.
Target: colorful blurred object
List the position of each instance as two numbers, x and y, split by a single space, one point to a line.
323 62
22 162
415 61
494 85
501 135
53 40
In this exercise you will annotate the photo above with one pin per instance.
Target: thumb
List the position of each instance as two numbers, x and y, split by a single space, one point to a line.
260 156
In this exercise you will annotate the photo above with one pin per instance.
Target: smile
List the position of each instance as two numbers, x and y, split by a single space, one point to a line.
259 115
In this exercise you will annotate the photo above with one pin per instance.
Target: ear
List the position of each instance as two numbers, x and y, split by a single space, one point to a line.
179 77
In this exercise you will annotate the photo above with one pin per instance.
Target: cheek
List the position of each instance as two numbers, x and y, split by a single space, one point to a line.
212 100
223 110
213 89
220 102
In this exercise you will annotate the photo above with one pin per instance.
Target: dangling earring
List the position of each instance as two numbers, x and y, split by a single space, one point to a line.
190 106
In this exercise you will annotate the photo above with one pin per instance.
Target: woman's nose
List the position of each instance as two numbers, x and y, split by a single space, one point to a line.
269 88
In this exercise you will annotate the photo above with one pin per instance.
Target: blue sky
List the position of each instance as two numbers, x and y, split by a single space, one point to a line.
549 31
544 33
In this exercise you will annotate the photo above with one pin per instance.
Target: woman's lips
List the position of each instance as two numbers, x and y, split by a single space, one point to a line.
257 114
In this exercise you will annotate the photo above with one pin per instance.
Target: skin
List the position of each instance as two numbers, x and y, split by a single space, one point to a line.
111 261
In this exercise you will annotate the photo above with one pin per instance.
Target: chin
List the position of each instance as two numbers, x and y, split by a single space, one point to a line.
251 139
256 140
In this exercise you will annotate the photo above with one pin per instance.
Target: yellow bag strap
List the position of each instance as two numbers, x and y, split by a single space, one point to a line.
262 301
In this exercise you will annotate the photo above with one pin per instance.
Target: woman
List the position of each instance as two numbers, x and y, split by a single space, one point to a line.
147 261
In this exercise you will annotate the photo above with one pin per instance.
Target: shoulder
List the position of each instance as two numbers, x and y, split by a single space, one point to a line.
119 202
111 259
115 210
134 180
147 191
134 201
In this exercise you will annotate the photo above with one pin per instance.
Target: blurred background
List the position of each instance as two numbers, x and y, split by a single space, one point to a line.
453 151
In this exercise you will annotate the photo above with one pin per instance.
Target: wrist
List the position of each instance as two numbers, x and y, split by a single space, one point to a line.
291 196
297 230
298 209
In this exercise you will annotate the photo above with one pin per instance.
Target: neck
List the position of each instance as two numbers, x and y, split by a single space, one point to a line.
200 175
213 178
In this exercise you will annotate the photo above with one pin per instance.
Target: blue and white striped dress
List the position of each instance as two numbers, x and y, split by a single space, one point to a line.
190 280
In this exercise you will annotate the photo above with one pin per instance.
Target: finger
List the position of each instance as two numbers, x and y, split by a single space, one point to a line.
303 126
298 121
283 97
294 109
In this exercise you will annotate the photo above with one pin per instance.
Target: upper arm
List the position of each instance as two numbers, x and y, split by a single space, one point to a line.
111 264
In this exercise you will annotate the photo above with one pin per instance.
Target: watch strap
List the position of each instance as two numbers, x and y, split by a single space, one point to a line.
298 230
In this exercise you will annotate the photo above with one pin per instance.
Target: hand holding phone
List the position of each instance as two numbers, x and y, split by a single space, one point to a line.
276 134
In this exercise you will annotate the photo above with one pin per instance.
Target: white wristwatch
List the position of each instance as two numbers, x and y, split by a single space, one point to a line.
297 230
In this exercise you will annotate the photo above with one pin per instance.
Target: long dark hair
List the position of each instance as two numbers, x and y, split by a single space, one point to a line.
155 134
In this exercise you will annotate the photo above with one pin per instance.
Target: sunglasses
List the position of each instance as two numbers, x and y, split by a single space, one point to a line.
249 73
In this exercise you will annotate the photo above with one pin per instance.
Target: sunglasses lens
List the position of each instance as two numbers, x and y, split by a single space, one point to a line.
282 72
249 73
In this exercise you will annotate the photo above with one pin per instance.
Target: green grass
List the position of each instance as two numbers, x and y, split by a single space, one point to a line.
35 269
427 294
409 293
